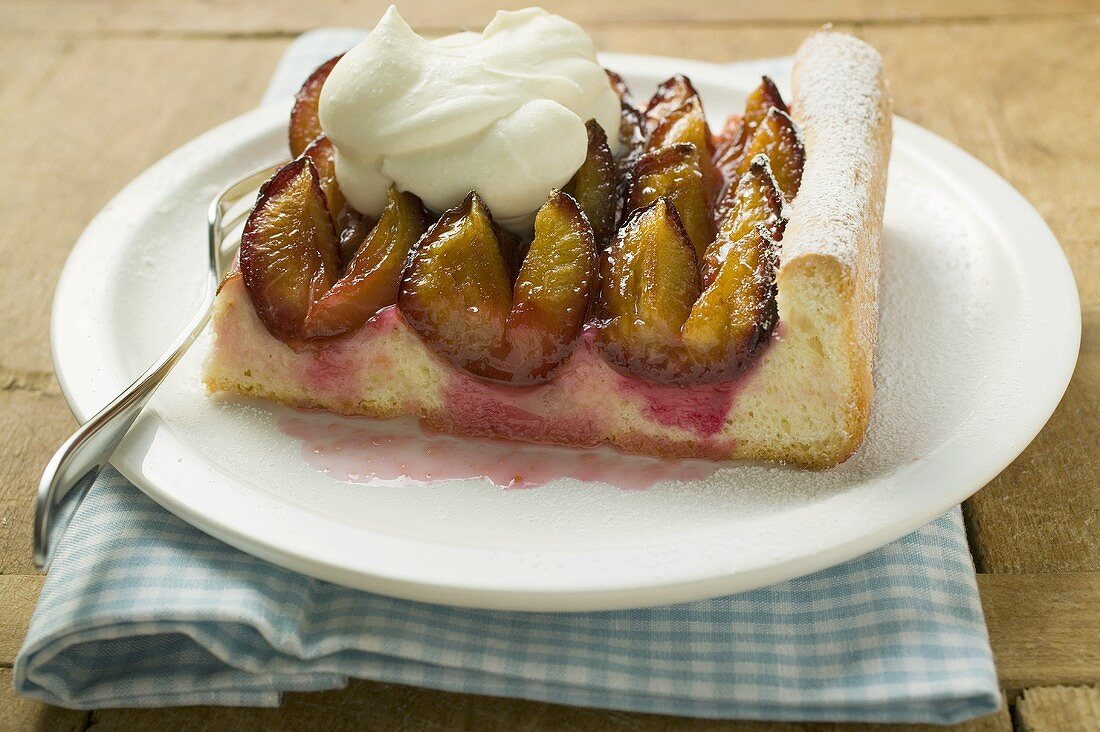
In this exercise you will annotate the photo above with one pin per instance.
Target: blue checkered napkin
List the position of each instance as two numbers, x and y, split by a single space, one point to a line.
141 609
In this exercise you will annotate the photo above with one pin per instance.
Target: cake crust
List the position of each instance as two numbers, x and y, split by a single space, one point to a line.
805 400
843 105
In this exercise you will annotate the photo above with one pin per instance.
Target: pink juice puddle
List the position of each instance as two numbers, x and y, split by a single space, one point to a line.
398 451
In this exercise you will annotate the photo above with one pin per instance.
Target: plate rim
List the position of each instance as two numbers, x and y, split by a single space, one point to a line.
548 598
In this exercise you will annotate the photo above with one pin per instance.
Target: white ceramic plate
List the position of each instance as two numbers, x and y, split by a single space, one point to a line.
980 331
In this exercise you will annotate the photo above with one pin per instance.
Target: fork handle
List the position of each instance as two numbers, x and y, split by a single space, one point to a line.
78 462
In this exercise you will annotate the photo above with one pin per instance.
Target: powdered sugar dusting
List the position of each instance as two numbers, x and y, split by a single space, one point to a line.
842 105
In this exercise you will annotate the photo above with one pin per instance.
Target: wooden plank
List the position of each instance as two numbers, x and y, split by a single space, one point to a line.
32 425
291 16
1044 628
19 593
17 713
1058 708
81 119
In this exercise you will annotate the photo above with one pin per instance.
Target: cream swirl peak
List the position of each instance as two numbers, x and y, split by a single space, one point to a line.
501 112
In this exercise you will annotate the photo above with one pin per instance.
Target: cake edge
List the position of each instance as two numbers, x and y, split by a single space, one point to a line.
843 106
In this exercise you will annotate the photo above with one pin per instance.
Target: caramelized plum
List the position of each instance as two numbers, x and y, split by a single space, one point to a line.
455 289
323 155
632 127
648 283
761 101
305 124
631 140
675 115
687 124
373 274
671 173
551 296
754 201
622 89
777 138
729 132
289 255
736 312
456 293
671 94
595 185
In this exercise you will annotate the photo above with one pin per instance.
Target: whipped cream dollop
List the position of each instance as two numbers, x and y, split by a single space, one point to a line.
501 112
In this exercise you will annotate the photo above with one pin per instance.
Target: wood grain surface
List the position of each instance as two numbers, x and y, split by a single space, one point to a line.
93 92
1058 708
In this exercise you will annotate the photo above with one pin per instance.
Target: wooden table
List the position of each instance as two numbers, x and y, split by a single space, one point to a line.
93 92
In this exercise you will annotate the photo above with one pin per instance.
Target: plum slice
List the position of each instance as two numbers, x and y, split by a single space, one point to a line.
778 139
738 133
648 283
687 124
373 274
305 122
551 295
456 291
736 312
289 254
632 126
595 185
455 288
755 200
323 155
675 115
671 94
672 173
619 85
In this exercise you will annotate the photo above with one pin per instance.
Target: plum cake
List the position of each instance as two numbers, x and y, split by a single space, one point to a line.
687 293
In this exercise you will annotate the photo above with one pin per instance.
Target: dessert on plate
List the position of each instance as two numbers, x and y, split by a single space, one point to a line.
486 232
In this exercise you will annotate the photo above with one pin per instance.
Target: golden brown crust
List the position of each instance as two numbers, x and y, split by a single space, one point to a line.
843 107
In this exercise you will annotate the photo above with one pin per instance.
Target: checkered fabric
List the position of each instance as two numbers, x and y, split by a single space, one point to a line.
141 609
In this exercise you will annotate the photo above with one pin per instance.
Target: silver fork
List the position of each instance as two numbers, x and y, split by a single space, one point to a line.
80 459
